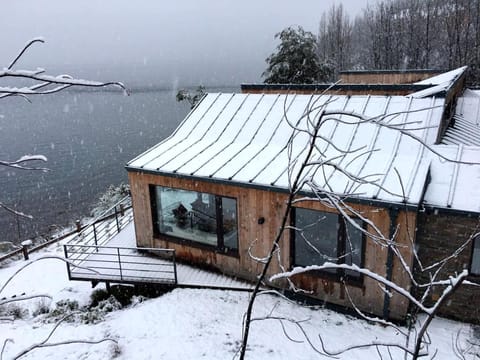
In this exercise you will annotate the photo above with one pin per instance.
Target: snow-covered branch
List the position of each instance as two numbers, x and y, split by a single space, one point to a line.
15 212
23 298
19 163
39 83
44 343
45 257
43 83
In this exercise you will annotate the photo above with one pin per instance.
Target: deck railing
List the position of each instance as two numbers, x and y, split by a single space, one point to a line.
109 223
120 264
98 230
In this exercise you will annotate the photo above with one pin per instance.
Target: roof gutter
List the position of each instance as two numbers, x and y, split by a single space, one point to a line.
352 200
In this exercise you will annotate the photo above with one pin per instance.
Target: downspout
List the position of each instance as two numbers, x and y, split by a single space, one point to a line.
393 214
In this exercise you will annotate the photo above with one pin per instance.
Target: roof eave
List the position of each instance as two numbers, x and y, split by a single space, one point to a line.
430 208
352 200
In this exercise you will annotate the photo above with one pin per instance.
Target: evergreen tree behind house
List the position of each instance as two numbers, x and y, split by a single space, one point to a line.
295 60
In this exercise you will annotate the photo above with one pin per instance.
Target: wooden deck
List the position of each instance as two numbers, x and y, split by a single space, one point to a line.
119 261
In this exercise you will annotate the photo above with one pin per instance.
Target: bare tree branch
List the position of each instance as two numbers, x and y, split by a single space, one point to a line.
44 343
24 297
45 257
7 340
15 212
25 48
18 164
42 84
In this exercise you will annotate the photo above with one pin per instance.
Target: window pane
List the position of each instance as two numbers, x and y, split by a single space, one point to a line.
187 215
476 257
353 246
316 237
229 214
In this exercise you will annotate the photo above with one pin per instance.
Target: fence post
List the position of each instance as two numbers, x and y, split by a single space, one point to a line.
78 225
122 210
25 245
119 263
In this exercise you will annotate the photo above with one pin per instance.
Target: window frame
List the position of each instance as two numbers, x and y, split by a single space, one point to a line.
338 274
219 247
472 253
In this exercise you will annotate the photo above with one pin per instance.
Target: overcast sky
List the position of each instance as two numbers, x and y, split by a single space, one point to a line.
164 43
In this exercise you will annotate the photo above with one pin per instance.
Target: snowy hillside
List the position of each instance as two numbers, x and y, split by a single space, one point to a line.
188 324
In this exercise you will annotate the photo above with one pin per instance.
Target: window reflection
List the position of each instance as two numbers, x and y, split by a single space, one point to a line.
322 237
199 217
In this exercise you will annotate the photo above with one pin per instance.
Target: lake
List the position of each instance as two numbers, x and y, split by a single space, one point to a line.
87 136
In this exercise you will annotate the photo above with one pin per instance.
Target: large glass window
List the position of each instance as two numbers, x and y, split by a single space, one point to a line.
199 217
321 237
475 267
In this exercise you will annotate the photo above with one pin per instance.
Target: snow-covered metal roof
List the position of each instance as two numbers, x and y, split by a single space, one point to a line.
468 106
246 139
440 83
455 184
465 129
444 78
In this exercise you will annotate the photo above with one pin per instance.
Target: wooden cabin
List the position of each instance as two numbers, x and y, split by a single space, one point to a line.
387 76
216 189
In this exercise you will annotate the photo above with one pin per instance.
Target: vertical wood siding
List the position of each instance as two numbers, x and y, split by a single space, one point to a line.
253 204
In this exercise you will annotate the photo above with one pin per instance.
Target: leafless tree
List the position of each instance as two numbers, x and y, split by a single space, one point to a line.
335 40
37 82
398 34
314 161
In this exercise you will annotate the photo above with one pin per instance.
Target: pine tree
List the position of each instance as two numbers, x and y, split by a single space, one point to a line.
295 60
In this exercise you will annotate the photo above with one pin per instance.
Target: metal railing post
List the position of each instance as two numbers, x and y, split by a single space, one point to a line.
95 236
119 263
174 267
67 262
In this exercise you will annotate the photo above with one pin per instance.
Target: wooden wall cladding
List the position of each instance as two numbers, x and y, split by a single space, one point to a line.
257 239
384 78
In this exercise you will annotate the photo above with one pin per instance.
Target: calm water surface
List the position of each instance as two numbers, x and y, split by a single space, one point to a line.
87 137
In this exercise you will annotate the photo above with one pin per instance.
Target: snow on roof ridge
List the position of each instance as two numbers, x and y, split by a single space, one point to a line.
448 76
439 82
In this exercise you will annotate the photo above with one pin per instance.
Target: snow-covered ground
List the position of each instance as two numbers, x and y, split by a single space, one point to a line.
191 324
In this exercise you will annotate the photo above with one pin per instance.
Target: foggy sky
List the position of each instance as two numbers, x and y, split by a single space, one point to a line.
151 42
